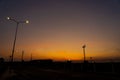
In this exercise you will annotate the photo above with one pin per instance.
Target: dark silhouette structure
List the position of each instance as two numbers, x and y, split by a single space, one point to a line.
84 46
22 56
16 31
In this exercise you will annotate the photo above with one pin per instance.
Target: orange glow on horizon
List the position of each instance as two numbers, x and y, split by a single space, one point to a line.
66 53
63 50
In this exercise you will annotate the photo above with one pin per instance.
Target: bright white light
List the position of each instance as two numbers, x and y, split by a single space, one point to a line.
27 21
8 18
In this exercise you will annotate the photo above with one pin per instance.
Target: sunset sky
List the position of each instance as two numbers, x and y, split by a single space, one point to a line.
58 29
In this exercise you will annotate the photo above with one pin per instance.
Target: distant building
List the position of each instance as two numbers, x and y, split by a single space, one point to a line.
42 61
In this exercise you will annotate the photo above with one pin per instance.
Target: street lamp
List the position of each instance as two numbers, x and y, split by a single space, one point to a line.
17 22
84 46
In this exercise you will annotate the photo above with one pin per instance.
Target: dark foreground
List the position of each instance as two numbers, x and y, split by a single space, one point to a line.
30 71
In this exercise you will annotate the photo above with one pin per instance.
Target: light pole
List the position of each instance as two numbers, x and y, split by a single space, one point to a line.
31 57
84 46
22 56
17 22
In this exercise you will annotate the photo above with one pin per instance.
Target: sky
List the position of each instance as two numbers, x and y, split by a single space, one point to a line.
59 28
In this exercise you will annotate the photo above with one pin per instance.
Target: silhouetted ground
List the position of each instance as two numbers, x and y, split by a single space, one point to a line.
59 71
34 73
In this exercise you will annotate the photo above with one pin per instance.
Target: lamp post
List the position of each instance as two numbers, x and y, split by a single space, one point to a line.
31 57
84 46
22 56
17 22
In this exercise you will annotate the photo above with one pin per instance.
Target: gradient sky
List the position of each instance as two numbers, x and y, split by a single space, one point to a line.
58 29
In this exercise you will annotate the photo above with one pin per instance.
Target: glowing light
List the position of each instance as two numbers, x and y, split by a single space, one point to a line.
27 21
8 18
